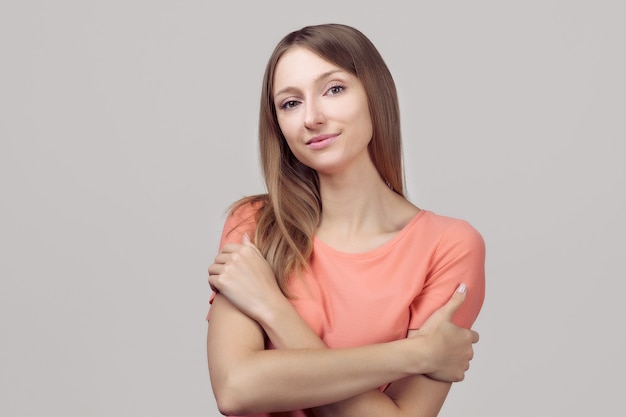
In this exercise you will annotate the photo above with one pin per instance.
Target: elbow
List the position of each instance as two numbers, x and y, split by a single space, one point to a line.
229 406
233 399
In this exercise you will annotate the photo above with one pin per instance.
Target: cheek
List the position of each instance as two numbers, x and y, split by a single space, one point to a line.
363 122
288 132
288 129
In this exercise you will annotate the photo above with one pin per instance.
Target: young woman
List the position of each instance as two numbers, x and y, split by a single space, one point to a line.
333 294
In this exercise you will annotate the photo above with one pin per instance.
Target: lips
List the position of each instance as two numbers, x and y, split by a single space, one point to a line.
321 141
320 138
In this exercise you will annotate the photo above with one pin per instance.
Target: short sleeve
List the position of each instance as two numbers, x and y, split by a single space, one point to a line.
239 222
458 258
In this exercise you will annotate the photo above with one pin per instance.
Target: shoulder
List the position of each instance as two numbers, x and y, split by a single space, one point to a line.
456 254
247 207
452 232
242 218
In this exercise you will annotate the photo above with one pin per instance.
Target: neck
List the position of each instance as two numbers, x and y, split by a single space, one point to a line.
356 203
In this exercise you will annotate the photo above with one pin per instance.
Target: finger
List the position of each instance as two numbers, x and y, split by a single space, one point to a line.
222 258
215 269
456 300
245 240
230 247
213 283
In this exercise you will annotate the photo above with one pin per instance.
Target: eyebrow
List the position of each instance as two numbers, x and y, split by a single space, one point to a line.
319 77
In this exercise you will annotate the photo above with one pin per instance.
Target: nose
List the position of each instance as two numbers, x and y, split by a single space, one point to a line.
314 116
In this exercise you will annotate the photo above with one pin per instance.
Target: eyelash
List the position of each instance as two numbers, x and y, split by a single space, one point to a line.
332 87
290 104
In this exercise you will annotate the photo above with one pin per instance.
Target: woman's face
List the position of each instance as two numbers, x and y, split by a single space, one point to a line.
322 111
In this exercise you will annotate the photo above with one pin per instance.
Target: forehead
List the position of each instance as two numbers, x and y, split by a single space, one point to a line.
299 66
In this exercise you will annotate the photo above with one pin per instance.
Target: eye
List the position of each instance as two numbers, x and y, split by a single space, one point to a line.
335 89
289 104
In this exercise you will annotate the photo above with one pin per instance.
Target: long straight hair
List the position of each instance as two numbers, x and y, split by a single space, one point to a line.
291 210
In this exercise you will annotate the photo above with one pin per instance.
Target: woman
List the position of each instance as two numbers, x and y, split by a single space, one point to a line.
335 295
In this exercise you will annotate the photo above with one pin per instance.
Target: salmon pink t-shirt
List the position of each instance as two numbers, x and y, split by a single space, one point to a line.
356 299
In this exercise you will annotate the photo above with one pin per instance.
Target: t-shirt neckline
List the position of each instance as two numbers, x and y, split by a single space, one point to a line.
380 250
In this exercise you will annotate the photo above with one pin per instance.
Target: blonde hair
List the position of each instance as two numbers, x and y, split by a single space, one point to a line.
290 211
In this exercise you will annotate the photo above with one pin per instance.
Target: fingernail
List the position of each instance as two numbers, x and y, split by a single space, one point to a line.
246 238
461 289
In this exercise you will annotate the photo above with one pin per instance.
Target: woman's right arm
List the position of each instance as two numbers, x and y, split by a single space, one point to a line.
248 379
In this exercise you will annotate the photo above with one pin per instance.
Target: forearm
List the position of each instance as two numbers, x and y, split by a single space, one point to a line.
371 403
249 379
287 330
414 396
287 379
301 373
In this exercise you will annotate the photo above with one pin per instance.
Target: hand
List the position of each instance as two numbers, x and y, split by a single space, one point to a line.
449 346
241 274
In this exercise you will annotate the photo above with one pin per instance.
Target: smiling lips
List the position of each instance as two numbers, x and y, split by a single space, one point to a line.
321 141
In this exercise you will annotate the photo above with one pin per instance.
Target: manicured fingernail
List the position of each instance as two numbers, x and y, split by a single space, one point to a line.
461 289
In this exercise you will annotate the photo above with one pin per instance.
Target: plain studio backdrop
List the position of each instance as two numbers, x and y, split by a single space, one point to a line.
128 127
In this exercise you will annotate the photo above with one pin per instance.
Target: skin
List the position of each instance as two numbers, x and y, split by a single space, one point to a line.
316 99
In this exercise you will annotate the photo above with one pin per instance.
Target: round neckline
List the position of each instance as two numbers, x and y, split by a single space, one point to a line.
375 251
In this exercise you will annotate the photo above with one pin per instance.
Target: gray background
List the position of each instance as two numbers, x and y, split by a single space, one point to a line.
127 127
